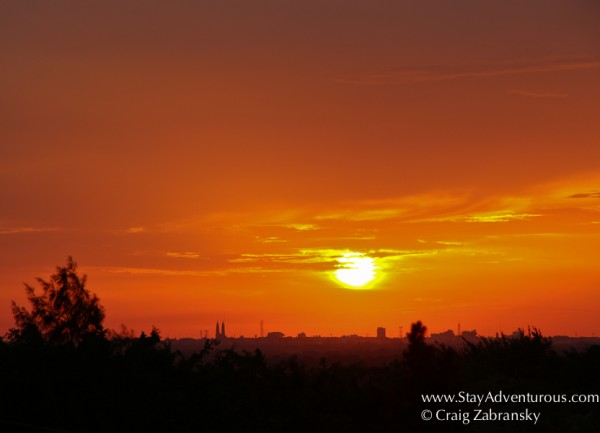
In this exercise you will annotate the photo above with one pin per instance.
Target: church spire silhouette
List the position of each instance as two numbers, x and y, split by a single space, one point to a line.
217 333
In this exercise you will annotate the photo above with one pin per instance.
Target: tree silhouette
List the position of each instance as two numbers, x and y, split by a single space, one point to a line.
419 355
64 313
416 336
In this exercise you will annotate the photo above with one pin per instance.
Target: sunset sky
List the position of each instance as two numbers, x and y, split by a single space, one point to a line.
210 160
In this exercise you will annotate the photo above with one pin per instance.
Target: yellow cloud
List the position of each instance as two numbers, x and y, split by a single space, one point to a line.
301 227
498 217
186 255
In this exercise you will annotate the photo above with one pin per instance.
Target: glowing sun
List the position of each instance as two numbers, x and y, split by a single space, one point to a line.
355 270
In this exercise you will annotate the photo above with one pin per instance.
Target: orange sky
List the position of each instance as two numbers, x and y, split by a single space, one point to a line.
205 161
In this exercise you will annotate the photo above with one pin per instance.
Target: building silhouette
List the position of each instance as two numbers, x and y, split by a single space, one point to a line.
220 333
381 332
469 335
447 337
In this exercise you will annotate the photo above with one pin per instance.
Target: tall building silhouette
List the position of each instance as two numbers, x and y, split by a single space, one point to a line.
223 335
217 333
381 332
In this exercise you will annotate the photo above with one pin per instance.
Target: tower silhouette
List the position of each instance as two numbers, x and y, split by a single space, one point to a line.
223 335
217 333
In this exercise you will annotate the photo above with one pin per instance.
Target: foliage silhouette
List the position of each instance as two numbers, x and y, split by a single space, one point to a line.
64 313
416 336
419 355
139 384
122 383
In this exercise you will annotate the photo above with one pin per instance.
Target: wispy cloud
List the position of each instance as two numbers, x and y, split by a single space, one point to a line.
186 255
136 230
585 195
492 217
344 238
293 258
20 230
451 243
325 259
159 271
499 217
364 215
301 227
270 240
447 72
532 94
185 272
395 209
529 235
319 260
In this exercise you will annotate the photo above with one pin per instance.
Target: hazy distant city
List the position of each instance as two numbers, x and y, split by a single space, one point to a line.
379 348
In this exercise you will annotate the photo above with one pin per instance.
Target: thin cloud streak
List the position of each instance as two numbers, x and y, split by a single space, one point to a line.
182 273
531 94
20 230
136 229
158 271
585 195
186 255
327 259
445 72
496 217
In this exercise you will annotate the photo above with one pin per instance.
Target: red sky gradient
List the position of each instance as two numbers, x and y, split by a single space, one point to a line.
205 160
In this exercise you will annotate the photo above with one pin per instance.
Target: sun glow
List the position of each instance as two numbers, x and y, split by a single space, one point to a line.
355 270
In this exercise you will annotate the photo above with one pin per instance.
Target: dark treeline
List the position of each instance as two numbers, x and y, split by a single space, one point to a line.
69 374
